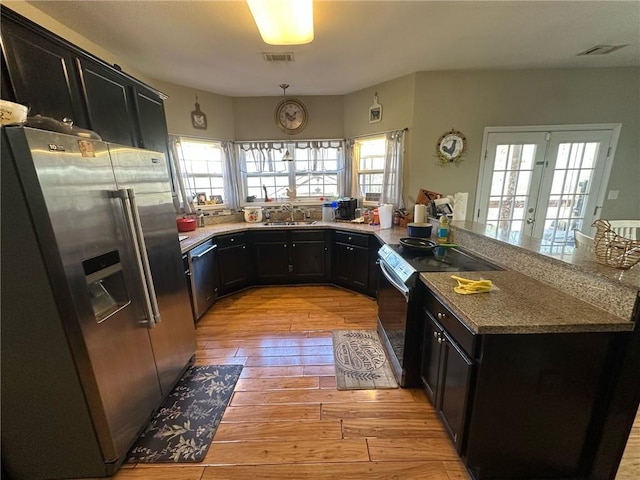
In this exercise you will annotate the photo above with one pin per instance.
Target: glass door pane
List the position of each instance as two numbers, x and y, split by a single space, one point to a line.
511 179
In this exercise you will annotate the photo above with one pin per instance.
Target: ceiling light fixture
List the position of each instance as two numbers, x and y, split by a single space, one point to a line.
283 22
287 155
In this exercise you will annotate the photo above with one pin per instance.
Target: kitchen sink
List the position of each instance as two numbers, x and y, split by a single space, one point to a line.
309 222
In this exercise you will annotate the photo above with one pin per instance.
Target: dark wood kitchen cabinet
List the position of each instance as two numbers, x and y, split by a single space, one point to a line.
234 262
446 368
40 72
351 261
525 406
60 80
107 95
291 256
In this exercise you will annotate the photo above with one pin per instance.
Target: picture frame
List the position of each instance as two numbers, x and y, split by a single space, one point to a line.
201 198
216 199
375 111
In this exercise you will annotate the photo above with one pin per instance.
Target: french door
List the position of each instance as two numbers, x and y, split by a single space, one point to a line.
544 183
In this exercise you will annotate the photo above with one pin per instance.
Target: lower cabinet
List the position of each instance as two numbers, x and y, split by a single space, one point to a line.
234 262
446 374
291 256
351 260
518 406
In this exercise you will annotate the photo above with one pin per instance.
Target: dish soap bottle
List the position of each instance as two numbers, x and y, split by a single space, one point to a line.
443 229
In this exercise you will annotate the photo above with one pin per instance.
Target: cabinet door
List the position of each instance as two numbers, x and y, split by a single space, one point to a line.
308 258
342 264
152 123
107 98
42 73
234 268
454 389
431 354
360 268
272 262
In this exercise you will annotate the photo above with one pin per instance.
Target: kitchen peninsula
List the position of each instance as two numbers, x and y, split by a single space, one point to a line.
552 343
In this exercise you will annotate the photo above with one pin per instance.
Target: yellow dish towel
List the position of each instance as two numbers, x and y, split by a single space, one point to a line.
467 287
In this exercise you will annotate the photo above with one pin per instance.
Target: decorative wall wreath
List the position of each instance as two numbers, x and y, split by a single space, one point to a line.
451 146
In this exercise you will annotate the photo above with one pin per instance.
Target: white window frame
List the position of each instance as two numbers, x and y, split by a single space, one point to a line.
358 187
189 178
290 174
598 194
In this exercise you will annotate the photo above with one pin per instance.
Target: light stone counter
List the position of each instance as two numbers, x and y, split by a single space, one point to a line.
519 304
578 274
536 293
201 234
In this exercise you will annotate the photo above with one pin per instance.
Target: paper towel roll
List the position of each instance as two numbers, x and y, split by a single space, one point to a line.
460 205
386 215
419 213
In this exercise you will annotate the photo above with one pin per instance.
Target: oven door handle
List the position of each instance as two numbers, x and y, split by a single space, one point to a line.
391 277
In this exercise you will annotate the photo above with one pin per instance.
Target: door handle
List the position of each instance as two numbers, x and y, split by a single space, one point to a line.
132 219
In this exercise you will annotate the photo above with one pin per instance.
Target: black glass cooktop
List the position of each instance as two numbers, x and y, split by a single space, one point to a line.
443 259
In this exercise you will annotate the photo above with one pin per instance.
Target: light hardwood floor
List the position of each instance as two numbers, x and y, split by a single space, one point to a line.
286 420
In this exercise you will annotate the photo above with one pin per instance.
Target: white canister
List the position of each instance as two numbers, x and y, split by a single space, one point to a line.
252 214
419 213
328 214
386 215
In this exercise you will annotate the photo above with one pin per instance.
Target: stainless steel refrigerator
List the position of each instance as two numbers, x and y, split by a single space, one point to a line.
95 312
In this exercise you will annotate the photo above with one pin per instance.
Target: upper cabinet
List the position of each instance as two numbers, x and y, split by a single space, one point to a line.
40 72
55 78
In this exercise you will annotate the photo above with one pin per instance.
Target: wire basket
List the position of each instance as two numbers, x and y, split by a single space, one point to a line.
612 249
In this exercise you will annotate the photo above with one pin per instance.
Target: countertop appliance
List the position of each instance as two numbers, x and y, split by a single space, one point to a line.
346 209
96 322
399 300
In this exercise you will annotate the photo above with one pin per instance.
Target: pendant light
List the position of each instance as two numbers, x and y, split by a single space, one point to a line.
287 155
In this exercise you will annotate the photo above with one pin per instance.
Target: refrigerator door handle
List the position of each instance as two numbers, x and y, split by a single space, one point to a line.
140 254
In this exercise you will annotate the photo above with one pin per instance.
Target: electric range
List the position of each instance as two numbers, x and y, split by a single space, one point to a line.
399 300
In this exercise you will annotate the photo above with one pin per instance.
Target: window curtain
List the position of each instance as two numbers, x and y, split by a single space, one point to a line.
349 185
230 176
392 175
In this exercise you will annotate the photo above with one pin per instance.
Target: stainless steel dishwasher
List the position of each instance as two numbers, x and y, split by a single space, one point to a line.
204 277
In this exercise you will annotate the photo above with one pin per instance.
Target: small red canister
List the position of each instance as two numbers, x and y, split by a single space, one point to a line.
186 224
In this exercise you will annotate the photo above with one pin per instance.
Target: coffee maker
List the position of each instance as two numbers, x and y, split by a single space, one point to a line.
346 209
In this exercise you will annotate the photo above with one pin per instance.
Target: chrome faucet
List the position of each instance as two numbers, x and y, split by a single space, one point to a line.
287 207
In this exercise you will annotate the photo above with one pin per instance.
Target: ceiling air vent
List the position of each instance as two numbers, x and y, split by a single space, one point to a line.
278 57
602 49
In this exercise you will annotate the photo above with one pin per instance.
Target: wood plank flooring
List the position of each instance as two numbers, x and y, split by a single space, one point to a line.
287 421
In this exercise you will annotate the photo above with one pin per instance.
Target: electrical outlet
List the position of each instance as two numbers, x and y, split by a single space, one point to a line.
613 195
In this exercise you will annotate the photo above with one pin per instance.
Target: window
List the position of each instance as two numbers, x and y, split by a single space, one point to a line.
201 163
369 162
316 170
544 183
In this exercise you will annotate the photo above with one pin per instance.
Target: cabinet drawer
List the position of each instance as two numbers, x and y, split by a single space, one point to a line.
231 239
457 330
307 235
358 239
270 236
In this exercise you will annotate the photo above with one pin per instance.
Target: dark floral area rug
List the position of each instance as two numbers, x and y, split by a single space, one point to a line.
183 427
360 361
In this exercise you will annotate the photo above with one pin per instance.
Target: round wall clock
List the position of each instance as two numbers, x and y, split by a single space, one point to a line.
291 116
451 146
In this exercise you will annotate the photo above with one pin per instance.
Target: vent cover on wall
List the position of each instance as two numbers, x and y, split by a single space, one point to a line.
601 49
278 57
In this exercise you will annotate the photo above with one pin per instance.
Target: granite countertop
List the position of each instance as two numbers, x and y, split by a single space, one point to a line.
521 304
202 234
